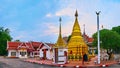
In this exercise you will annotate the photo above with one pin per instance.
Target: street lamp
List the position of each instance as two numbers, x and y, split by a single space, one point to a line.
97 13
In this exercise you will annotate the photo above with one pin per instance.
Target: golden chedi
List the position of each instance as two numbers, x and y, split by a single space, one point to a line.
76 45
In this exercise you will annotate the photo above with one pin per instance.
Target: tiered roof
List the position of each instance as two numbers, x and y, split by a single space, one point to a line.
30 46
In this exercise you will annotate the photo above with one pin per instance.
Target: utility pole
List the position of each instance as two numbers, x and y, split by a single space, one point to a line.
97 13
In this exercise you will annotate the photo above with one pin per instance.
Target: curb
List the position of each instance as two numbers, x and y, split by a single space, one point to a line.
104 65
63 65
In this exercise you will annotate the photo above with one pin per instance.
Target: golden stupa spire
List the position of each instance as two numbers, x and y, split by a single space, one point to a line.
60 27
60 41
76 44
76 27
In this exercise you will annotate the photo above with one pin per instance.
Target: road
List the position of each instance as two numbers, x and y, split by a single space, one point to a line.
19 63
115 66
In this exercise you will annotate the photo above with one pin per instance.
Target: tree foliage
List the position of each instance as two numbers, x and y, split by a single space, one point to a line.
117 29
17 40
4 37
108 39
68 38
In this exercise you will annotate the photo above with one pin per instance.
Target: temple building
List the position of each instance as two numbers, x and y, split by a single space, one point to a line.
88 40
60 49
29 49
76 45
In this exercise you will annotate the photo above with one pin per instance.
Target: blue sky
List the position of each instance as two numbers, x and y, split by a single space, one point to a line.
38 20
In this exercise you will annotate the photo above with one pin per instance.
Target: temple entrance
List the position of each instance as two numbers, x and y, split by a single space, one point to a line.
56 55
23 53
44 53
85 57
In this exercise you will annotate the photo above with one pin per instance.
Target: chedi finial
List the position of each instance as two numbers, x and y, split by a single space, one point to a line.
76 14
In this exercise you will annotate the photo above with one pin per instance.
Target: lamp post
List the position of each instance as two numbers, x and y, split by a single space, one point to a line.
97 13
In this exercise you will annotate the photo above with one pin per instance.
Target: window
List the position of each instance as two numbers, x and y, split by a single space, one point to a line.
61 50
22 53
13 53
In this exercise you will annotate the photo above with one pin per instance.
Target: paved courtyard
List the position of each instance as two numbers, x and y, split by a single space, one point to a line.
19 63
73 63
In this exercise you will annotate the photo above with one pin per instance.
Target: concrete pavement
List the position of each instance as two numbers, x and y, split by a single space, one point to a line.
19 63
74 63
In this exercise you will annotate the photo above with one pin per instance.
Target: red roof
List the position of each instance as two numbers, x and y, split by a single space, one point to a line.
87 38
50 44
23 46
90 40
30 46
36 44
13 45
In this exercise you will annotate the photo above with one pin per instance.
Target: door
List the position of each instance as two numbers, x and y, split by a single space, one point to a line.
56 55
44 54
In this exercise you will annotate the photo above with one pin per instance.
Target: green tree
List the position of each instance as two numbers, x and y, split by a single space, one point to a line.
4 37
109 40
68 38
17 40
117 29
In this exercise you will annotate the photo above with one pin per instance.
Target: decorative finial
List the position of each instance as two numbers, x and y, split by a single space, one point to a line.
98 12
60 26
76 14
84 29
60 19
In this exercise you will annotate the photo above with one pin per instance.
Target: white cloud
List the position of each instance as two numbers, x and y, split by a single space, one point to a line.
84 18
49 15
25 35
19 37
51 29
67 25
65 12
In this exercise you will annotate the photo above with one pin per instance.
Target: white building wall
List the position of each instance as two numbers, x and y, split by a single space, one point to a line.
41 53
60 52
31 54
10 51
18 54
53 55
61 56
49 54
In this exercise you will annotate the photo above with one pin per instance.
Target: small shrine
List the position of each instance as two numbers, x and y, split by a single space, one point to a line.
60 49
